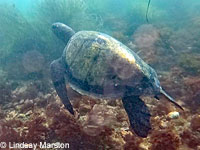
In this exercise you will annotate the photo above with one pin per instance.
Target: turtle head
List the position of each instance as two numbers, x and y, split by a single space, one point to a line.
158 91
62 31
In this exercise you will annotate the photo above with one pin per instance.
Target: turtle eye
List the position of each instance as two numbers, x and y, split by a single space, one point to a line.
54 26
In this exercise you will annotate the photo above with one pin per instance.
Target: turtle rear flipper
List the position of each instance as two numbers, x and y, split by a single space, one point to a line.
57 74
138 114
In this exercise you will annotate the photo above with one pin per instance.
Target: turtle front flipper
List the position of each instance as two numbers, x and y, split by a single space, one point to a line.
57 74
138 114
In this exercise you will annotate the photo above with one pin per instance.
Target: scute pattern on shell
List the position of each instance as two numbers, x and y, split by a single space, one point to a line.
98 60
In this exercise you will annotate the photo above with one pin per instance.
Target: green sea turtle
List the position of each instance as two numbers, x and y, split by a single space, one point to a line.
97 65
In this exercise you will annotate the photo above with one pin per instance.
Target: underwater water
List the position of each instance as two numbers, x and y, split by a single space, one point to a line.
167 38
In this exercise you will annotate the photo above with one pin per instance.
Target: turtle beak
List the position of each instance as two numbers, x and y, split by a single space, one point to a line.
169 98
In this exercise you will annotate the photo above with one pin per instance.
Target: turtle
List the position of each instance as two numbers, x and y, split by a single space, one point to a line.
97 65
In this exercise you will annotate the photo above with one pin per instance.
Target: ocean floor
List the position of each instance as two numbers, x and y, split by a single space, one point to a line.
32 116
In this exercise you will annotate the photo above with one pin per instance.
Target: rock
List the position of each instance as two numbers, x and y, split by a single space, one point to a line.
100 116
29 113
173 115
12 114
21 101
41 102
163 124
84 108
21 116
52 109
92 130
195 122
28 105
198 147
7 106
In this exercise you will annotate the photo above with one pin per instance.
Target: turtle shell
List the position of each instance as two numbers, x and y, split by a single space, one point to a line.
100 66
